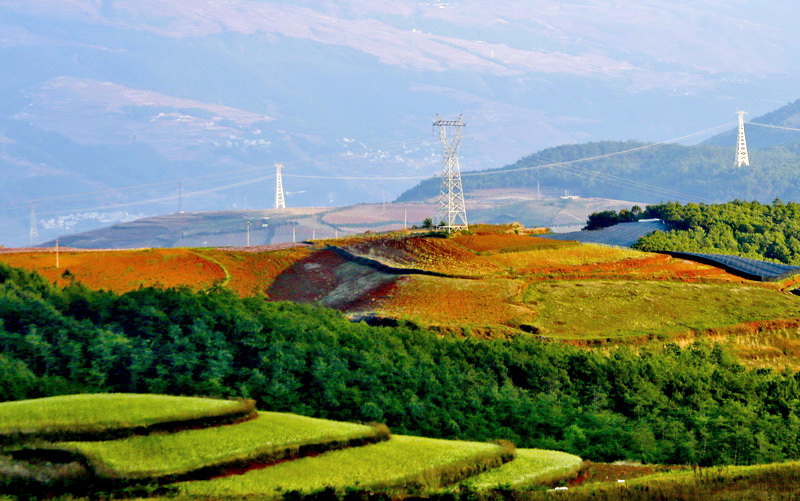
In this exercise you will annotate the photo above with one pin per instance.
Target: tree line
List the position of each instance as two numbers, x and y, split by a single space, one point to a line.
664 405
748 229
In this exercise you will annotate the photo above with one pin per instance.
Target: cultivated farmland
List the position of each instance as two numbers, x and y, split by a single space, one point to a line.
267 456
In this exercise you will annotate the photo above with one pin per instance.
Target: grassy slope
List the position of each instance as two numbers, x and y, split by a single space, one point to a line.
271 436
407 461
529 467
608 309
103 412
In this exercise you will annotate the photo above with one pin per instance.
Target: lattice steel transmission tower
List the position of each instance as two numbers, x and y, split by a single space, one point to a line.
34 235
280 200
452 212
741 143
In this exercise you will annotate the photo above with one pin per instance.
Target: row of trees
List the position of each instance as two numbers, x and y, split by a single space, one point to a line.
670 405
748 229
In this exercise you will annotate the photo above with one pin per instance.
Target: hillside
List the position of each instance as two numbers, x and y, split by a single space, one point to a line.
643 171
496 282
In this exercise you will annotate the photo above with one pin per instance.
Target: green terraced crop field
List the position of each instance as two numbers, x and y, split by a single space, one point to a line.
269 437
530 466
402 461
98 413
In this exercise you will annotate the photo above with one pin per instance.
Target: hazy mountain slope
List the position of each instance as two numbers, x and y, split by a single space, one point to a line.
757 135
110 94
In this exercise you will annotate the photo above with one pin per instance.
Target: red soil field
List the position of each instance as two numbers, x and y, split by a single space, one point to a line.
500 242
252 273
456 302
652 267
121 271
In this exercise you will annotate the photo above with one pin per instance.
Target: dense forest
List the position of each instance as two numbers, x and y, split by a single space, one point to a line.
747 229
666 405
646 174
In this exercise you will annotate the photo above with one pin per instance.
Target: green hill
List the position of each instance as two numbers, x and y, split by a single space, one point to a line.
632 170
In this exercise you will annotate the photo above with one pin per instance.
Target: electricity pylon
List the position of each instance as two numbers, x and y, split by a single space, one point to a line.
280 200
452 212
34 235
741 143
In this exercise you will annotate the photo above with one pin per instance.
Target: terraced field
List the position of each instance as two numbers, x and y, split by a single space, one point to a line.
410 463
94 416
529 468
269 437
264 457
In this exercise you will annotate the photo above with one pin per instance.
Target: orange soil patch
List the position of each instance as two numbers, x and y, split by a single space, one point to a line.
431 254
252 273
504 242
609 264
121 271
456 302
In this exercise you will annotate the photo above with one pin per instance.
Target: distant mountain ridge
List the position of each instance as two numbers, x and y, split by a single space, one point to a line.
644 171
102 96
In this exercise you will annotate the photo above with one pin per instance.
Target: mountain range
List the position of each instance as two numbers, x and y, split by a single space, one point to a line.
119 109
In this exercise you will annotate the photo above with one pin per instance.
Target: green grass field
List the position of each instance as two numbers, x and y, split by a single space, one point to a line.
269 437
408 462
612 309
100 413
529 467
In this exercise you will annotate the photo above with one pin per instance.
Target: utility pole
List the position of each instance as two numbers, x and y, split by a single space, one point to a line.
451 194
741 143
180 198
248 233
34 234
280 200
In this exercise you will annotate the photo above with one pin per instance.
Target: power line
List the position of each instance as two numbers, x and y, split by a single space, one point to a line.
321 159
611 179
774 126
